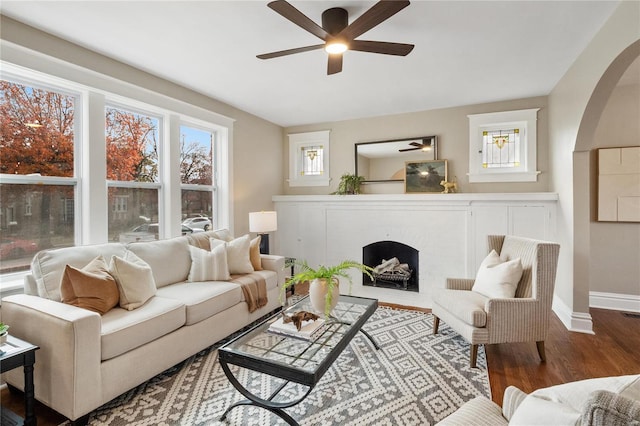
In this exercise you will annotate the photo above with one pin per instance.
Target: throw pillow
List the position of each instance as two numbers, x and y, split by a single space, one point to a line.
254 254
91 287
496 279
237 254
134 278
209 265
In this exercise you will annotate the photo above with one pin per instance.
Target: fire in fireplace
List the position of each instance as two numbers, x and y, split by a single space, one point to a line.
395 265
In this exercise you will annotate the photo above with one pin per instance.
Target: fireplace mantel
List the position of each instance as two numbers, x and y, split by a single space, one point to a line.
449 230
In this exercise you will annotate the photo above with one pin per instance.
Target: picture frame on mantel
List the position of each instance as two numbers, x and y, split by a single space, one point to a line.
424 176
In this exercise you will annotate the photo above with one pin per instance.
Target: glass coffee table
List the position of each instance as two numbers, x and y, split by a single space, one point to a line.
293 359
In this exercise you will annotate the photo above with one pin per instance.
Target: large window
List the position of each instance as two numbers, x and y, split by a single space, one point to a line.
84 164
133 141
197 177
37 192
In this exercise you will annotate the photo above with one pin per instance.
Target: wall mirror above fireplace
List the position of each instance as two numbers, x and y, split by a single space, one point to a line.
383 161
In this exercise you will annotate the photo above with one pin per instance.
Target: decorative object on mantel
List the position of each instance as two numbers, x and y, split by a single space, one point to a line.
450 187
424 176
349 184
324 285
4 332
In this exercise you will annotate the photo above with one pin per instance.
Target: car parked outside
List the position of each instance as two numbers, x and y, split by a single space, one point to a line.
188 230
13 248
199 222
144 232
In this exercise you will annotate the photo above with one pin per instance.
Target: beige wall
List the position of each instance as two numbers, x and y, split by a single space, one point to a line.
571 108
451 125
615 247
257 144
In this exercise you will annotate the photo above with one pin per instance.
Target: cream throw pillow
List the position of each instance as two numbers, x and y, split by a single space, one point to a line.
134 278
209 265
237 254
497 279
91 287
254 254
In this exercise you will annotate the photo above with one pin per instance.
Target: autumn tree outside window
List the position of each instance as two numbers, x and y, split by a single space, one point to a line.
197 172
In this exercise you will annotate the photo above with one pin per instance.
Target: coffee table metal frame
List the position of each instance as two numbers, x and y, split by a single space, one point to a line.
292 359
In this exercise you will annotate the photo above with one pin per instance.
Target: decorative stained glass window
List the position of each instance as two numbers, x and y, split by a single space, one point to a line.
312 160
501 148
309 158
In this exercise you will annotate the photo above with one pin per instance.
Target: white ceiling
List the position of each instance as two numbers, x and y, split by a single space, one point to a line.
466 52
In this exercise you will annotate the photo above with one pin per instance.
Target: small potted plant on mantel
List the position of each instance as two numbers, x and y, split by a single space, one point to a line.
324 283
349 184
4 332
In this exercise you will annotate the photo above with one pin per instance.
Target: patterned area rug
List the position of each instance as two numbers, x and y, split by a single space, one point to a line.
416 378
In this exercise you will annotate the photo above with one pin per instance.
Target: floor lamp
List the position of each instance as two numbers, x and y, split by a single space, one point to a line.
262 223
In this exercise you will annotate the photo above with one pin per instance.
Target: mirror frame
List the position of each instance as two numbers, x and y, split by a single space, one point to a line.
432 138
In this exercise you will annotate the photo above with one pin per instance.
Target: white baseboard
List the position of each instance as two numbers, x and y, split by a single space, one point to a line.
614 301
579 322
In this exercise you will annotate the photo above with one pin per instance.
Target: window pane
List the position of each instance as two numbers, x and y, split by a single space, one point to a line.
197 210
37 131
196 156
33 218
132 146
312 160
133 214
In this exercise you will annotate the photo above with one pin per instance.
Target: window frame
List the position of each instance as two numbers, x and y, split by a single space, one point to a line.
526 121
300 141
93 91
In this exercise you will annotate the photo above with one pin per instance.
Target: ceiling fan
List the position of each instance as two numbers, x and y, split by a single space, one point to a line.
424 146
338 35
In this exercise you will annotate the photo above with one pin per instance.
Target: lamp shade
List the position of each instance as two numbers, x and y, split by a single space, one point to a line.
262 222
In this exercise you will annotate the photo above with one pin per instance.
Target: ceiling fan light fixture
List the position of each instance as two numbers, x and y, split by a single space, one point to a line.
335 47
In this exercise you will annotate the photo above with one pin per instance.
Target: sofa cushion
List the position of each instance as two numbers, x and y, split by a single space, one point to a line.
169 259
124 330
201 239
238 258
208 265
254 254
497 279
203 299
91 287
468 306
134 278
478 411
563 404
48 266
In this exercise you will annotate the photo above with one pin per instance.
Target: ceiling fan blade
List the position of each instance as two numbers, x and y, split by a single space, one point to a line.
334 65
386 48
289 51
419 145
408 149
294 15
378 13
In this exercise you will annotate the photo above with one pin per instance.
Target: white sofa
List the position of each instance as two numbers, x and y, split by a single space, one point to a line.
86 359
605 401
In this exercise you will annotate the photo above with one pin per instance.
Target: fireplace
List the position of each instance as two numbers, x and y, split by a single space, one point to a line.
395 265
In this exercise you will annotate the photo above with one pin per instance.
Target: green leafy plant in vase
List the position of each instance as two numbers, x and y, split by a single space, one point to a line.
324 283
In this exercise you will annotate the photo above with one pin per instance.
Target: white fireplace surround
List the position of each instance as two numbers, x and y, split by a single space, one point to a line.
449 230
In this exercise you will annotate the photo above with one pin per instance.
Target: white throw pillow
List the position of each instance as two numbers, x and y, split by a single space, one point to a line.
497 279
209 265
238 258
134 278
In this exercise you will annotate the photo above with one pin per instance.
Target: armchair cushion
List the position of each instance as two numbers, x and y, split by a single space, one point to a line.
468 306
498 279
479 411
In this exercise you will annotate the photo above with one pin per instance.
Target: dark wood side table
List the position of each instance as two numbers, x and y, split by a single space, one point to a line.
18 353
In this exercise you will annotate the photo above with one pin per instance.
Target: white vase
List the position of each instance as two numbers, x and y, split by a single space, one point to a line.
3 338
318 295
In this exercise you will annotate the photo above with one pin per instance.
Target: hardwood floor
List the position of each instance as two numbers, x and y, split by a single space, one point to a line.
613 350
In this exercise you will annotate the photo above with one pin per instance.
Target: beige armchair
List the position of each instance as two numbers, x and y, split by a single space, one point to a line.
524 318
